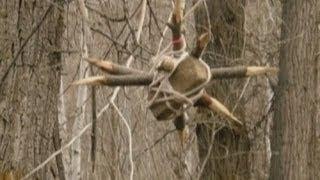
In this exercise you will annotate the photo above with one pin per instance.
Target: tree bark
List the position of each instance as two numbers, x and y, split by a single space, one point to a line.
82 93
31 88
295 139
229 158
57 56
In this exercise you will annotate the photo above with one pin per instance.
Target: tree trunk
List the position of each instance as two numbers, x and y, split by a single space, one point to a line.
295 139
228 158
29 92
82 93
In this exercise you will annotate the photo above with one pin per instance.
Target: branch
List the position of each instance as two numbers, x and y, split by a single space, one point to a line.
154 144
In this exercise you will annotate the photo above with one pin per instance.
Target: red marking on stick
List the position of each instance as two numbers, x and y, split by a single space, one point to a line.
177 40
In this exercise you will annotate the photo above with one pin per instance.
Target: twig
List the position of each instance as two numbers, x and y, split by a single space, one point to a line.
162 38
195 6
208 153
130 139
40 166
130 59
241 95
156 142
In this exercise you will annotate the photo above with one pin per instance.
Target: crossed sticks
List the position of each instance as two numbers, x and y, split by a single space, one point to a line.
186 78
118 75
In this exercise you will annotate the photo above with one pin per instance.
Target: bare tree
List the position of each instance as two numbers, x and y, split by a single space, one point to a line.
223 151
295 139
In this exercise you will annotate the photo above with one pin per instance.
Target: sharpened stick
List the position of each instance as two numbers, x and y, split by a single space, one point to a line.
178 41
144 79
216 106
166 64
114 80
112 68
183 130
96 80
258 70
227 72
202 42
242 71
179 6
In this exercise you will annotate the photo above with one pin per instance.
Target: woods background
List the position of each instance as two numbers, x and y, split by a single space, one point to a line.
42 46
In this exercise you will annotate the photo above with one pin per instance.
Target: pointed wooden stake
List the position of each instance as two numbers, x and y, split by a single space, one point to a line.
242 71
216 106
260 70
178 10
202 42
227 72
112 68
167 64
96 80
118 80
178 41
183 130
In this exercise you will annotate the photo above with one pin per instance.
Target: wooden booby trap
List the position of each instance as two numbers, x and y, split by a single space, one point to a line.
178 81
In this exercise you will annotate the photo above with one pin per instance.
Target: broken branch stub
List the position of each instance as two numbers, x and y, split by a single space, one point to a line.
202 42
